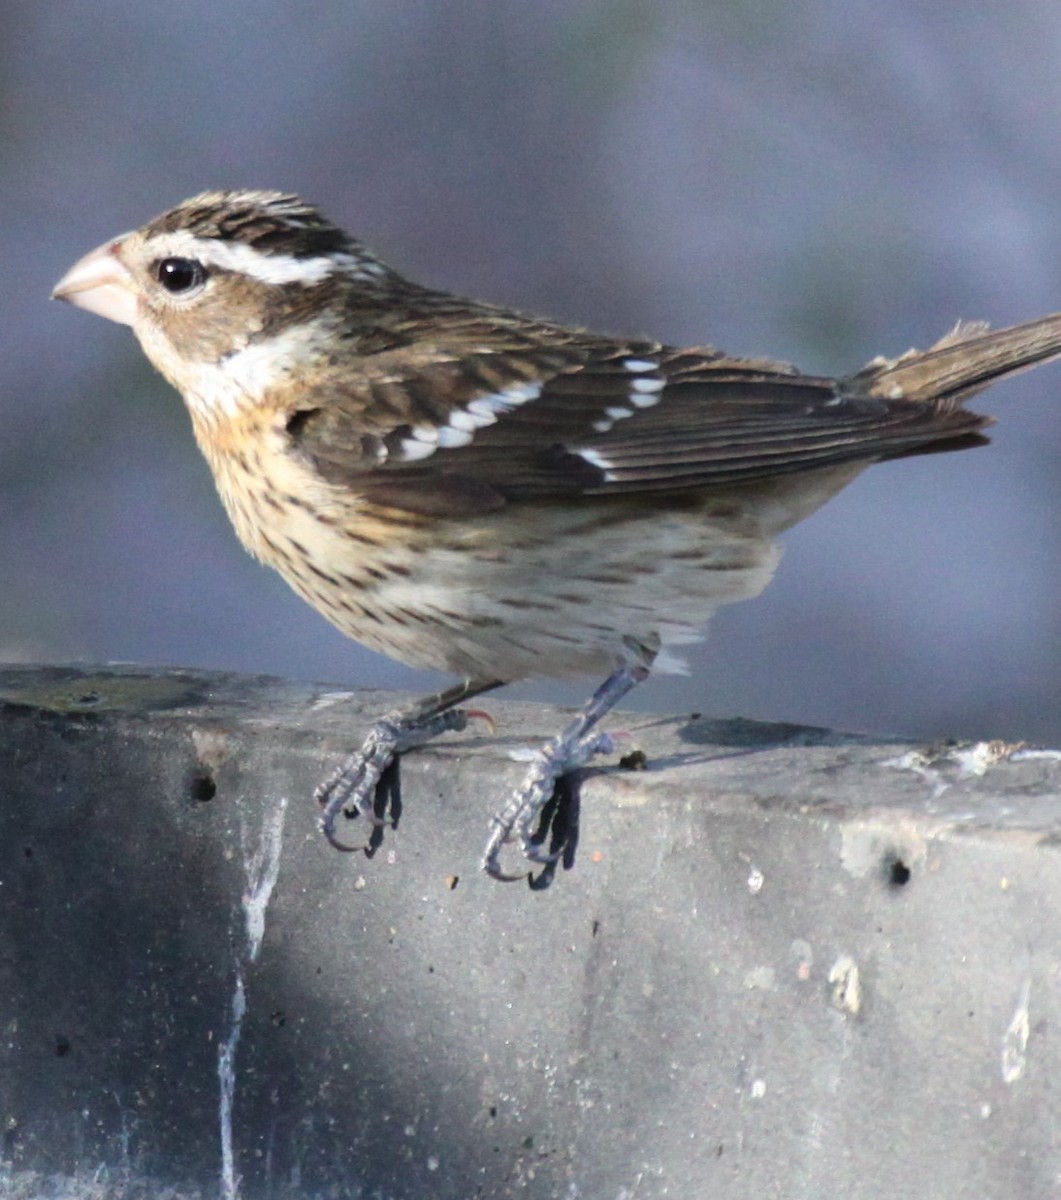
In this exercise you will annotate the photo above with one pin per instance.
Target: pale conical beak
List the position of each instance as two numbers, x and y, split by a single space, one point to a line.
101 284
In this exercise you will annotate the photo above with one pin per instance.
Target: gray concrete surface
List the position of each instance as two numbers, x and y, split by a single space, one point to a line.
783 963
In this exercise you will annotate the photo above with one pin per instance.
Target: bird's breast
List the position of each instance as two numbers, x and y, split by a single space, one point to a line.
530 590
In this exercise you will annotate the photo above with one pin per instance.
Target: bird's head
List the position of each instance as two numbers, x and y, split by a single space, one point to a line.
225 275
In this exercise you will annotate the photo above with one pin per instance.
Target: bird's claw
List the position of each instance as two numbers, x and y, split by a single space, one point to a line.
350 790
517 821
353 787
358 786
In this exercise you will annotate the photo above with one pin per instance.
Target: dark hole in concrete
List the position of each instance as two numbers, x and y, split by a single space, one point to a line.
202 787
62 1045
898 873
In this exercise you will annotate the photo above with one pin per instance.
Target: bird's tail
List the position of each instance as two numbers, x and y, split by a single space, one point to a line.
968 359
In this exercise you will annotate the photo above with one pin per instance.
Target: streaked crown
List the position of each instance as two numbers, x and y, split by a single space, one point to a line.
273 223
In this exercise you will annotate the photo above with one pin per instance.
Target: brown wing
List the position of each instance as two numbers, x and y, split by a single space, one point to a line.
445 433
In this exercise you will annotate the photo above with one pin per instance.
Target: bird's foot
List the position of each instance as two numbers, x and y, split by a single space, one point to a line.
567 752
353 788
517 820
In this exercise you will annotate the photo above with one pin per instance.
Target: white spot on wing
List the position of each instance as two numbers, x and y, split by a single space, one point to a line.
596 459
413 450
462 423
504 401
520 394
467 421
611 415
644 392
645 399
483 408
448 437
645 386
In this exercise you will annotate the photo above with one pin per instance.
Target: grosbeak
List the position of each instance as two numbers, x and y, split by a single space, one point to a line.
472 489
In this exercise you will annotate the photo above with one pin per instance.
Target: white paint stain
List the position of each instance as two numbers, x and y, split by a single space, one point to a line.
1015 1039
1034 754
846 984
261 867
330 699
761 979
941 769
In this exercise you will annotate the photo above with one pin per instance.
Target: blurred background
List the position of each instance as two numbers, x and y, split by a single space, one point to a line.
817 180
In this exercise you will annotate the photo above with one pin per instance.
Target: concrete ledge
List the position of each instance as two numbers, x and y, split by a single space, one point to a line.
786 962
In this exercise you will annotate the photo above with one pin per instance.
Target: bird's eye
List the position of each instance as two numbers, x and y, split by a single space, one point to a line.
180 275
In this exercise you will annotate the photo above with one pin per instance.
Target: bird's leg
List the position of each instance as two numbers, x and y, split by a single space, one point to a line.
560 755
352 786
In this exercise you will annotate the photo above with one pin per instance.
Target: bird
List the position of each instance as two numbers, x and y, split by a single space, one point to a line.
475 490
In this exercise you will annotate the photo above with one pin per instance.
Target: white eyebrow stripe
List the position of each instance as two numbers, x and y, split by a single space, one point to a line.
267 268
